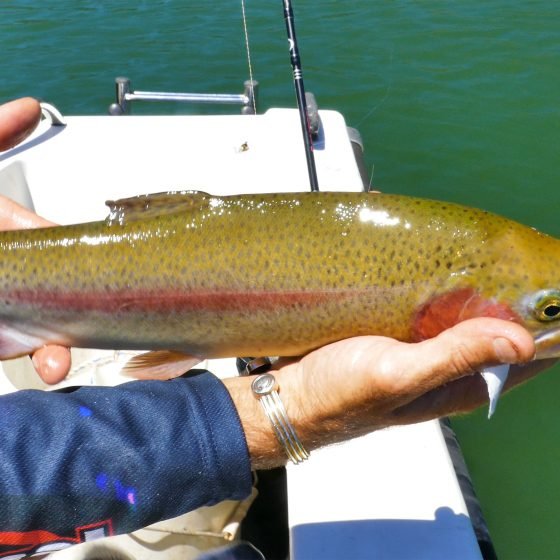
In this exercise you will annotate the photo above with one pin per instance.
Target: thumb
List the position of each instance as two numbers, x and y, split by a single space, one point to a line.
17 120
461 350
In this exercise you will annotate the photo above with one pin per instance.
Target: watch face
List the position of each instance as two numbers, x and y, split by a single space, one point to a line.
263 384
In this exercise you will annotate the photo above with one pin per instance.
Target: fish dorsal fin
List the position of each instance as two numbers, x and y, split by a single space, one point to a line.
152 205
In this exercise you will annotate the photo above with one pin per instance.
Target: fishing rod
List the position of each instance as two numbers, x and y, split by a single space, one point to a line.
300 94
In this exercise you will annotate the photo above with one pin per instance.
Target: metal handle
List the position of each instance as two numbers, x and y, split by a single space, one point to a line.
125 96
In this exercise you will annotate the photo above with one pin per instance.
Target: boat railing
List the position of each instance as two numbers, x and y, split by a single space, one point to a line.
125 96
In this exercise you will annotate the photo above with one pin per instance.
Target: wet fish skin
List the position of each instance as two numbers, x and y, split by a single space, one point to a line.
271 274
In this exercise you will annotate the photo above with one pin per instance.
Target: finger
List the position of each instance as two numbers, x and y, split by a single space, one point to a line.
15 216
17 120
52 363
464 349
462 395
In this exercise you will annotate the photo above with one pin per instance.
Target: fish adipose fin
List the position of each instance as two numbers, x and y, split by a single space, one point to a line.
151 205
159 364
495 378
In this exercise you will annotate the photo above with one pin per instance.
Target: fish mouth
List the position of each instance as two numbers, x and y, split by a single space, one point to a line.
548 344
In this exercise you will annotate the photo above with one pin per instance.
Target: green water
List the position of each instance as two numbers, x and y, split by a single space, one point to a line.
455 100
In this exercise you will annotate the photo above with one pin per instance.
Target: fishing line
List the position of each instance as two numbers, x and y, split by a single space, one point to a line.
388 91
248 50
370 184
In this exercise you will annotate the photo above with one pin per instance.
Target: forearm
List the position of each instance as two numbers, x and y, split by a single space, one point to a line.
134 454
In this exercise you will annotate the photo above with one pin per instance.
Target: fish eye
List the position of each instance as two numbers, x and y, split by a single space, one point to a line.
547 306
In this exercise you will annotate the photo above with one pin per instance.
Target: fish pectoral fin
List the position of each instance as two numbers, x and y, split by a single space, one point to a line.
151 205
159 364
495 378
15 343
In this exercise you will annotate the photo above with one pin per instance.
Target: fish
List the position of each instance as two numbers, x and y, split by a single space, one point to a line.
187 275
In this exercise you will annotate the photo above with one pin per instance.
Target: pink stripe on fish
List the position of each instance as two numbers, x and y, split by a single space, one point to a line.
145 301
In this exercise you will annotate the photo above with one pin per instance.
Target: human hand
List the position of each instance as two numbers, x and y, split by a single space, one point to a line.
17 120
359 385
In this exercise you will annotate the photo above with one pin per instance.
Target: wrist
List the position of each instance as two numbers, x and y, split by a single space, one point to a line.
323 413
264 449
265 388
318 416
263 442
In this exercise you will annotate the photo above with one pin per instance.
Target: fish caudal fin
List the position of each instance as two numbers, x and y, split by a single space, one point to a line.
495 378
159 364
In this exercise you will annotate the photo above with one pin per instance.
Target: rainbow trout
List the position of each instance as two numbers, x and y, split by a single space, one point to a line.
194 276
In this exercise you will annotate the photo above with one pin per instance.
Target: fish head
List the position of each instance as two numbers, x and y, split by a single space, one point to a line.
512 274
526 282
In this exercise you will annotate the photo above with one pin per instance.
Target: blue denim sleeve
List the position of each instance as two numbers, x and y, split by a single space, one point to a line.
115 458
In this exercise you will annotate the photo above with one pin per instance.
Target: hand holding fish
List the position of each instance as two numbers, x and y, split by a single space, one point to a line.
356 386
18 119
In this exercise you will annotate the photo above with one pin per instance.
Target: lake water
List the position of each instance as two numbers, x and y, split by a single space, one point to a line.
455 100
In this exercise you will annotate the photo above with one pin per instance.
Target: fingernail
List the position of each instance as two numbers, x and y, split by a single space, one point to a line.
505 351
